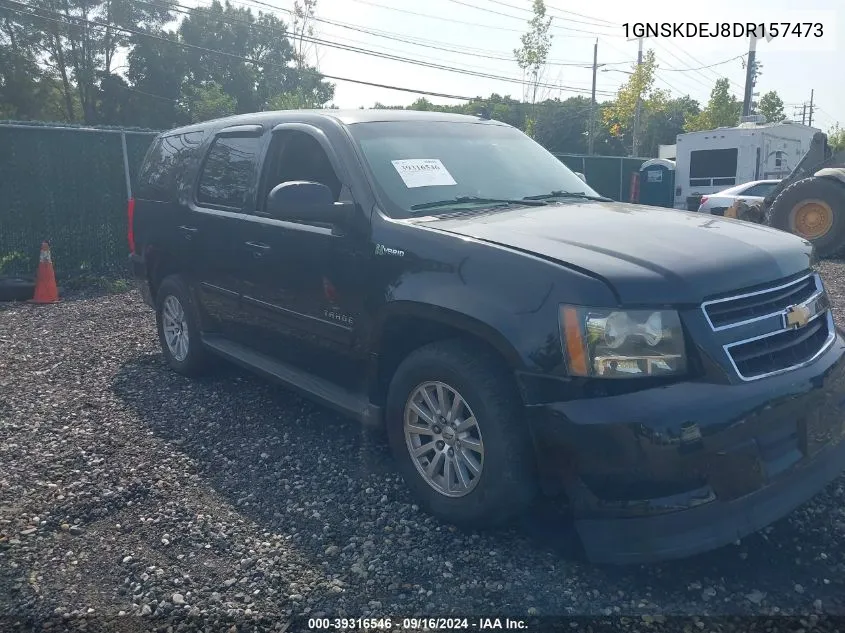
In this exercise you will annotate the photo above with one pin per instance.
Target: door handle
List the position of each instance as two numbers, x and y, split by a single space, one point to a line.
188 231
258 248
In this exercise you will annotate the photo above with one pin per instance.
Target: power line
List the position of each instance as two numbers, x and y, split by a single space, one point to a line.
684 70
179 8
699 62
580 15
233 56
678 91
442 60
424 43
595 22
454 21
706 84
149 94
516 17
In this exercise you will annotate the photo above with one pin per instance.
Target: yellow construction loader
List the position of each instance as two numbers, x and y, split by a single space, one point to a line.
810 202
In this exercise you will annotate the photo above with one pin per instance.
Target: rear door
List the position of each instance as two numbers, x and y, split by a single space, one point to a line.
225 188
167 173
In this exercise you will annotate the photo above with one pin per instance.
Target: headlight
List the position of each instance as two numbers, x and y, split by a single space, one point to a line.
622 343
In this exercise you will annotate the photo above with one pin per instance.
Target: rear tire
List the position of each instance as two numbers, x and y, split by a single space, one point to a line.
479 452
178 328
807 203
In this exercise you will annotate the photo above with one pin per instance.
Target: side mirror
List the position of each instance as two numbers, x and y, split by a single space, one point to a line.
302 201
581 176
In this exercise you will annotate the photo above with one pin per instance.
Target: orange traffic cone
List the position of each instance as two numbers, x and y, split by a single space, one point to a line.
45 280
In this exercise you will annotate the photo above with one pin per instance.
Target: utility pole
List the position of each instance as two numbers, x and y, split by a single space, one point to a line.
804 114
592 131
749 75
635 145
812 92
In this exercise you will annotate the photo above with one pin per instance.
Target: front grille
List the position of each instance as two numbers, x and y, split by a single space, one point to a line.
784 349
773 330
724 313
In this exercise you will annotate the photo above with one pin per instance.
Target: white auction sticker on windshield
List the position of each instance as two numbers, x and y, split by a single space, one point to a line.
423 172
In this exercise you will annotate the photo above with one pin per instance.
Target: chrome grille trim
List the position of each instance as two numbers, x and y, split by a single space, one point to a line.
721 328
831 337
819 305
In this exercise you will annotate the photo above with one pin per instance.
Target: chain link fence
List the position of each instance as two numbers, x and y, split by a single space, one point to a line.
608 175
68 185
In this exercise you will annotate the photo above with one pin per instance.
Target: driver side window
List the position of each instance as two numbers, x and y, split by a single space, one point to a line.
297 156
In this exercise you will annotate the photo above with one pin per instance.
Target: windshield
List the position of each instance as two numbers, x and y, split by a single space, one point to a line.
418 164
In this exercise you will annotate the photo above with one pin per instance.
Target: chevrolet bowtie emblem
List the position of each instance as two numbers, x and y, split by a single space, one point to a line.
797 316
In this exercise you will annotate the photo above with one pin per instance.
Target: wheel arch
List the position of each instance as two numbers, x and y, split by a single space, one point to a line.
408 325
159 267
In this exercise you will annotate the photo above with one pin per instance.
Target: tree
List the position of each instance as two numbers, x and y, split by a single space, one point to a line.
157 70
81 46
208 102
532 55
28 90
302 32
723 109
661 127
259 63
771 106
620 114
836 138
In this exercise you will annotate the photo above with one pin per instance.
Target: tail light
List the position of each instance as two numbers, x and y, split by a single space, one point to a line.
703 200
130 217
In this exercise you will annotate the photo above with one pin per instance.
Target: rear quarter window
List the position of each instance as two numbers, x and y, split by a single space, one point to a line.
166 164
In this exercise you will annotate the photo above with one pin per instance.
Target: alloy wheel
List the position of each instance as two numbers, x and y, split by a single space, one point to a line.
443 439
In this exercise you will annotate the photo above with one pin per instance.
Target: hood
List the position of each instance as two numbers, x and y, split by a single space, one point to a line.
646 254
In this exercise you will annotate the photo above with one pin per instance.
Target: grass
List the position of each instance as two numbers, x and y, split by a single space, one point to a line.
108 284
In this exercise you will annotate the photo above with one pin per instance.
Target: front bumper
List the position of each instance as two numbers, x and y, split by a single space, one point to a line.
682 469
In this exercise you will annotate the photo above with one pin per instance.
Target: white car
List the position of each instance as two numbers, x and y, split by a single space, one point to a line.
754 191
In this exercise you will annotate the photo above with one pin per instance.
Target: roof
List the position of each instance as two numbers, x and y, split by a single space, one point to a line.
663 162
346 117
744 127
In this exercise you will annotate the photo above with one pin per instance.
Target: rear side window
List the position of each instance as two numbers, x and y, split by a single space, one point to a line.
166 164
229 171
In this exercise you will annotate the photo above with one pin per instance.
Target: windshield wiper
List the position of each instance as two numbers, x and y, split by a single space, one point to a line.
568 194
533 202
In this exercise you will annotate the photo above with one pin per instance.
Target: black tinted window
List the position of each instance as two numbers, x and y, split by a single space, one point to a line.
713 163
165 165
229 171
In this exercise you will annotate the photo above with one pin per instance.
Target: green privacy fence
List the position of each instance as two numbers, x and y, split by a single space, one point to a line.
609 175
67 185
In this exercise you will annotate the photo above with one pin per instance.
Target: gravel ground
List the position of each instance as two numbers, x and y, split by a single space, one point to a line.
132 496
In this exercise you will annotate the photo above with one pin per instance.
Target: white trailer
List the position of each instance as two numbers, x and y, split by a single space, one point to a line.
712 160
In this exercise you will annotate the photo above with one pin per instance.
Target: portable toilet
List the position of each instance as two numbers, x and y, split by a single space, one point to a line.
657 182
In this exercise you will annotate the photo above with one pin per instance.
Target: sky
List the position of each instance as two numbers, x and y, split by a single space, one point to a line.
480 36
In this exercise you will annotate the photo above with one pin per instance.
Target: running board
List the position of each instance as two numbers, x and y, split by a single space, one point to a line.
311 386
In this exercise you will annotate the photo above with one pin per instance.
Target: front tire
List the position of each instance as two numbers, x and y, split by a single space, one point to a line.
178 328
456 432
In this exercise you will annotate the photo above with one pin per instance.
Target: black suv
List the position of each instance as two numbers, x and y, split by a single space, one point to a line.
679 378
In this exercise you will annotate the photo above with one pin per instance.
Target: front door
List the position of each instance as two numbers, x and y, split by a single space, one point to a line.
300 296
